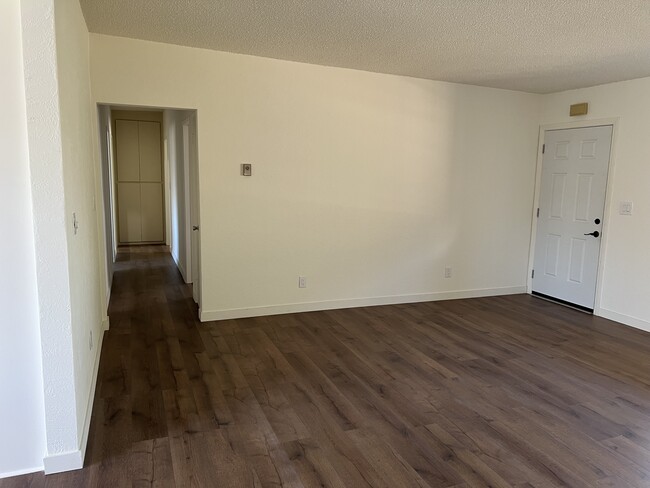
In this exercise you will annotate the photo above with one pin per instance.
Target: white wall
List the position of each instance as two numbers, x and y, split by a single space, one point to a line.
367 184
86 266
626 268
22 426
69 271
178 189
50 227
106 170
174 154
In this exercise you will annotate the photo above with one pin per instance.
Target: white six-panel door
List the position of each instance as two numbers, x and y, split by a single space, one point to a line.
571 205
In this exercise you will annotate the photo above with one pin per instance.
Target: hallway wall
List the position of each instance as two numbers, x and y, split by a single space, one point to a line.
66 219
78 117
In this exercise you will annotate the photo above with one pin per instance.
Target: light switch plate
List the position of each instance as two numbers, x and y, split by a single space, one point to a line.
625 208
246 169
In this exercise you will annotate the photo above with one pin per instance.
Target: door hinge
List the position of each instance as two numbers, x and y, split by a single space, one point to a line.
532 275
543 148
537 212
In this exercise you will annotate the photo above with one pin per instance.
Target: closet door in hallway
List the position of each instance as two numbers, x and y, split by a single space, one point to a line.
140 197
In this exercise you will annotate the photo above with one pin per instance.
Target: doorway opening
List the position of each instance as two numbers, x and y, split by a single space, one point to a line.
570 215
149 168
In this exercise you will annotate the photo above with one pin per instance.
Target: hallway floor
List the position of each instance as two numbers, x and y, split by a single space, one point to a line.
501 391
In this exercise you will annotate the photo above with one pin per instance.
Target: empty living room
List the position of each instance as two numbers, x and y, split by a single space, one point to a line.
364 244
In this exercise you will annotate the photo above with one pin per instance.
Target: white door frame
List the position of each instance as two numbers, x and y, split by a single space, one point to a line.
607 213
187 161
189 127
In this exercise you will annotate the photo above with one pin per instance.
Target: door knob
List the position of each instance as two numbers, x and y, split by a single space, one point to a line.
195 227
594 233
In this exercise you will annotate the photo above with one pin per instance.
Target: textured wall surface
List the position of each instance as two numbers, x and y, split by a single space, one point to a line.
539 46
86 268
60 124
50 224
22 425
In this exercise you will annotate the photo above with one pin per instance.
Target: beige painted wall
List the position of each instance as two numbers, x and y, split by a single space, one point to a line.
625 289
367 184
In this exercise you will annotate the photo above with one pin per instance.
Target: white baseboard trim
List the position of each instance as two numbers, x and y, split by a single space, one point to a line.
624 319
93 387
240 313
65 461
69 461
20 472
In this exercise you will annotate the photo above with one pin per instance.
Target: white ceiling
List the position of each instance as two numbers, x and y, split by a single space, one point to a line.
539 46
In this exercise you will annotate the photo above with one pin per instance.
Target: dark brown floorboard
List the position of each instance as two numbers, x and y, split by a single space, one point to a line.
502 391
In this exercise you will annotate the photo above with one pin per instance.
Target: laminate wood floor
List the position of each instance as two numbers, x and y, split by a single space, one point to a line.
501 391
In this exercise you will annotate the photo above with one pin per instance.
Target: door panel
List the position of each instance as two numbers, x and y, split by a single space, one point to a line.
127 150
150 161
130 221
577 259
152 212
140 188
583 198
572 197
557 196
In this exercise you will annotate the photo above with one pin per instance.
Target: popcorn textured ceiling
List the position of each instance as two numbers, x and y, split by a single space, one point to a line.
538 46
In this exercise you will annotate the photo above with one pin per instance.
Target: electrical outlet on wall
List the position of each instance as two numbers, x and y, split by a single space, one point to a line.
625 208
447 271
302 282
90 340
75 223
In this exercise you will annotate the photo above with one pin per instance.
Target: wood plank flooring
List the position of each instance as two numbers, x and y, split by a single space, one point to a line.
500 392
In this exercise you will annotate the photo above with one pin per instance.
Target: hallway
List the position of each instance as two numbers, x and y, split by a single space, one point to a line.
500 391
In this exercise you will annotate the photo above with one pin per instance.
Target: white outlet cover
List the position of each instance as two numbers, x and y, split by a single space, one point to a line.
625 208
